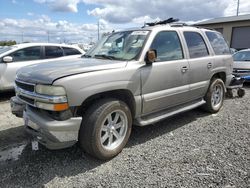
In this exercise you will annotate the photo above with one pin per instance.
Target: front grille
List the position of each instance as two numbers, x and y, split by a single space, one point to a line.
26 99
25 86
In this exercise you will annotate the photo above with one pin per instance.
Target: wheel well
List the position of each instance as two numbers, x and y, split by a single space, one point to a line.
221 75
122 94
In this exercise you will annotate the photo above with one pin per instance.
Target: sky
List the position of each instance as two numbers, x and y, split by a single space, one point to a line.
75 21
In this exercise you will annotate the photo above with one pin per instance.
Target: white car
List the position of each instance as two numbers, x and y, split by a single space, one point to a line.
241 65
14 57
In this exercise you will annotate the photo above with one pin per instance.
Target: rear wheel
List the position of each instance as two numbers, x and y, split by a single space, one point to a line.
215 96
105 128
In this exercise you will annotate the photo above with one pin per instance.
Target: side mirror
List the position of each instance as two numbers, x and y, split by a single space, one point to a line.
151 56
7 59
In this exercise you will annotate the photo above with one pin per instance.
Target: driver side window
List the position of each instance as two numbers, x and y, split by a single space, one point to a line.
26 54
167 45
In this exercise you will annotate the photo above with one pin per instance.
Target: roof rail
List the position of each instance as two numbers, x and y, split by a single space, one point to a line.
170 20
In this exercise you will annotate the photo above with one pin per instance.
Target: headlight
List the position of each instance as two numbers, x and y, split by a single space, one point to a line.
50 90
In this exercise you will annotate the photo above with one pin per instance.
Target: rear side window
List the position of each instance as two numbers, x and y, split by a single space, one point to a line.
53 52
196 45
71 51
26 54
167 46
218 43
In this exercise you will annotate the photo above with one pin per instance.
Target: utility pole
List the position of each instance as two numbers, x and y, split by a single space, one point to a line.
48 35
98 29
238 5
22 36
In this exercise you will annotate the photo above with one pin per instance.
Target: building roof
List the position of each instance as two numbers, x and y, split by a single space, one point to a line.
225 19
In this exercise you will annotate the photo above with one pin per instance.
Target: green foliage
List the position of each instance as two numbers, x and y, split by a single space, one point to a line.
7 43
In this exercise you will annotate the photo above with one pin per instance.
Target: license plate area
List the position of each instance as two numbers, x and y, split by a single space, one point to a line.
29 123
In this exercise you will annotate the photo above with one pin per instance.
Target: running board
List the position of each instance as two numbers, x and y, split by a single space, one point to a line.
155 117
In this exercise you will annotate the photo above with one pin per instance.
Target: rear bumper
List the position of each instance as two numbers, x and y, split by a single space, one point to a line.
51 133
229 78
236 82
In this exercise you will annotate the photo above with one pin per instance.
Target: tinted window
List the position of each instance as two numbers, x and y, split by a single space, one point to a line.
196 45
218 43
53 52
167 45
70 51
26 54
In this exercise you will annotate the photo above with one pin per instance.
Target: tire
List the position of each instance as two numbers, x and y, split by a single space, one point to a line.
105 129
229 93
241 92
215 96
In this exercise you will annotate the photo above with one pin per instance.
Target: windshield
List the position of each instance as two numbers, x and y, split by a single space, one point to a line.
125 45
5 49
242 56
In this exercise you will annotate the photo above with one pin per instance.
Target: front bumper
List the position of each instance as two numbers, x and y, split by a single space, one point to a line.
51 133
17 106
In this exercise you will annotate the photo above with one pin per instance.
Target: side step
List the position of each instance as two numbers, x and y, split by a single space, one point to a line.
155 117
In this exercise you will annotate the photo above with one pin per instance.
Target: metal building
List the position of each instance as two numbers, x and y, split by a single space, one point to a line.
235 29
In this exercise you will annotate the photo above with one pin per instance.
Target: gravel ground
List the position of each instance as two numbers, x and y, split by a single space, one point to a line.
192 149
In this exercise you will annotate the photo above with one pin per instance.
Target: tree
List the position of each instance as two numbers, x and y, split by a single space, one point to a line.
7 43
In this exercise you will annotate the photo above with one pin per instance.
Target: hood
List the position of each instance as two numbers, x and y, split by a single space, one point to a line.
46 73
241 65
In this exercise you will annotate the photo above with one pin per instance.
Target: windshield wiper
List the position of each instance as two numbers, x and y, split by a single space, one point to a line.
103 56
87 56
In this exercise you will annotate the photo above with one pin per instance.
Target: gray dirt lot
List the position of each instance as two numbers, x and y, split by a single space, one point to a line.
193 149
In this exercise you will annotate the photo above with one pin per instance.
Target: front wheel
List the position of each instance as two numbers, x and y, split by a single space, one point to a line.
105 128
215 96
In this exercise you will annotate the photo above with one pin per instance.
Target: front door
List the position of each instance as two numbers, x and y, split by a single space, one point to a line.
165 82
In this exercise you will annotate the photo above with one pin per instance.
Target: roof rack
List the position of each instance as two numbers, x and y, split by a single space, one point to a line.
179 24
170 20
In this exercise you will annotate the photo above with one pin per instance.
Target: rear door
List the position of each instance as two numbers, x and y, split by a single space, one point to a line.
200 63
165 82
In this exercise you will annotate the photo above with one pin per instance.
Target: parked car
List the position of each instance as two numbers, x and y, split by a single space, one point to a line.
131 77
14 57
241 65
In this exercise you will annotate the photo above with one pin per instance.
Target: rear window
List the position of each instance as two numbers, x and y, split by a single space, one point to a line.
71 51
218 43
53 52
196 45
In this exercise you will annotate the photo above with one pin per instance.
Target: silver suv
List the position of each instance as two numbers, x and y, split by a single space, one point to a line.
138 76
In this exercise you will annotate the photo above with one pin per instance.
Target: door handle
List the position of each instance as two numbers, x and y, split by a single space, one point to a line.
184 69
209 65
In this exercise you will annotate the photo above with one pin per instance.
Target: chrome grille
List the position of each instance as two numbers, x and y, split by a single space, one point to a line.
26 99
25 86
